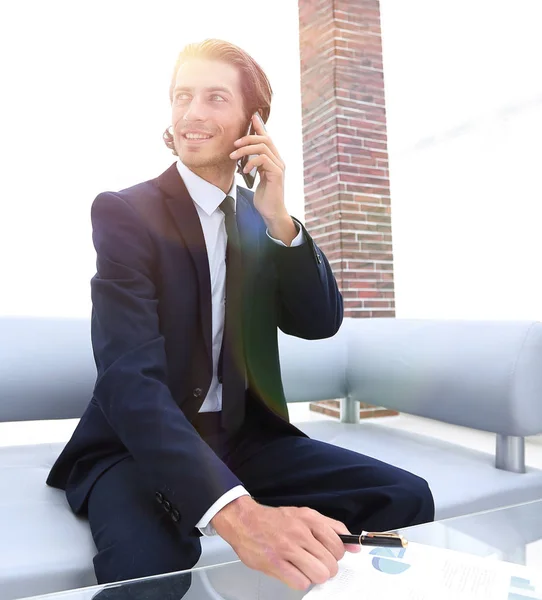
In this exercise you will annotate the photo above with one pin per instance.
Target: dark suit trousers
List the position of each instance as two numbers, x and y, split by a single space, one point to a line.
136 537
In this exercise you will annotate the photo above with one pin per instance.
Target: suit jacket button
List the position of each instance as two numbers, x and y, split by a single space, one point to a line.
197 393
167 505
175 516
159 497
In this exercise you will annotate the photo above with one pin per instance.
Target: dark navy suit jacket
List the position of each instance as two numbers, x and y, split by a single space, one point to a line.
151 337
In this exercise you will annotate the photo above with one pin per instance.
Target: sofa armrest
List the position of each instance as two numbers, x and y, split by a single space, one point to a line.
481 374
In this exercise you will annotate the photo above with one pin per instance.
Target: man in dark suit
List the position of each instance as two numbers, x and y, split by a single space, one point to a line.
187 432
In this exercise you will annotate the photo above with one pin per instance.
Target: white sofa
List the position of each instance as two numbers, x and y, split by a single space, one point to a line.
483 375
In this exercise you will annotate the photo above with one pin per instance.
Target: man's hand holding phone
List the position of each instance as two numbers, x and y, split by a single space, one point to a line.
269 195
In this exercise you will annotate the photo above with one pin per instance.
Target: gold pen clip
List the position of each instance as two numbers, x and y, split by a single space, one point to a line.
385 539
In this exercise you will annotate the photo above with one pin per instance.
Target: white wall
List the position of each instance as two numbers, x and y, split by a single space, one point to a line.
84 102
464 106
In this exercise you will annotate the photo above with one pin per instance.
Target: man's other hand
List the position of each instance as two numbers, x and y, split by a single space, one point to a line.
299 546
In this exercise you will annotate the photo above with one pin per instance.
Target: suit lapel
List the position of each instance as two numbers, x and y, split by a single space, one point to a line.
186 219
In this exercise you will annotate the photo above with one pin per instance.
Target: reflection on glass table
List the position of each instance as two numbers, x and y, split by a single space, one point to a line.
513 534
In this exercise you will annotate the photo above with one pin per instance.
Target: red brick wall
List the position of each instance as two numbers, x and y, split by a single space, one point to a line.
347 194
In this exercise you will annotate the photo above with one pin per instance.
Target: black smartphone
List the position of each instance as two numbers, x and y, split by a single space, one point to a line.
249 177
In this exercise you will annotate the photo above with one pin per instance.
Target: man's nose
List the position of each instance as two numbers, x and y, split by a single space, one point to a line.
195 111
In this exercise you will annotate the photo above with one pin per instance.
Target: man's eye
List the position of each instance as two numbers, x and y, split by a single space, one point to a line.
217 96
179 97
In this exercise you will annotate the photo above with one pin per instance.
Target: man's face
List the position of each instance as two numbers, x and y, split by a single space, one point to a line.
207 99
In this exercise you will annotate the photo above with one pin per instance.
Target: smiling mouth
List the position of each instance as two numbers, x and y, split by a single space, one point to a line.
196 140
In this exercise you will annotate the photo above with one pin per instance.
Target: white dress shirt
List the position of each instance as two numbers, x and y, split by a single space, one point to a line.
207 199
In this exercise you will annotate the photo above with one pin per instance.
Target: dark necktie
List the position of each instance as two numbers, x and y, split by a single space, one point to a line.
231 367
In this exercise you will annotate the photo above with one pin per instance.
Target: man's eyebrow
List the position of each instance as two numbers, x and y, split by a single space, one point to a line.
214 88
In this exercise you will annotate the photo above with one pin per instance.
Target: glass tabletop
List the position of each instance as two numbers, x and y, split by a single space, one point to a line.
513 534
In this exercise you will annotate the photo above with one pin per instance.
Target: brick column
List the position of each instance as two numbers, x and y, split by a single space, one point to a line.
347 193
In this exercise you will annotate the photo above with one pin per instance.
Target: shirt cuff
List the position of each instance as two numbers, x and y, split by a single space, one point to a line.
297 241
204 524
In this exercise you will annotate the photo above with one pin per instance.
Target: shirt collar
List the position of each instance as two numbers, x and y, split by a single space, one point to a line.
206 195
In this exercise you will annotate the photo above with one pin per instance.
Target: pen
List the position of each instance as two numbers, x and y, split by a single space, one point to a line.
387 540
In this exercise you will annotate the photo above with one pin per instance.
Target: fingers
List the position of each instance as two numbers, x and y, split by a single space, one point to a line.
322 541
313 563
298 546
260 129
275 565
306 557
339 527
260 149
263 161
292 576
326 551
297 566
331 541
250 141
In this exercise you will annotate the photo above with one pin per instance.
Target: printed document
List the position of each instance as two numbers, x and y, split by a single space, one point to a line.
421 572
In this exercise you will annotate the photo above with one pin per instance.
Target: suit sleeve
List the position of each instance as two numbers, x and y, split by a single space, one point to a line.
310 303
131 387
